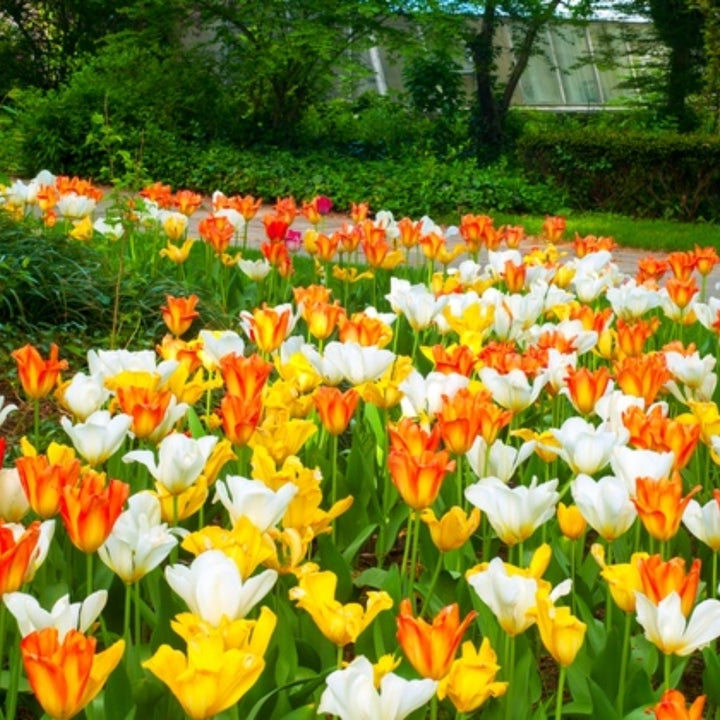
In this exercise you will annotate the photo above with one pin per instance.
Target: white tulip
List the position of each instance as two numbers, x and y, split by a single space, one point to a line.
605 504
351 694
499 459
629 464
703 521
99 436
514 513
181 460
64 616
424 395
139 540
512 390
585 448
254 500
14 504
84 395
667 628
213 589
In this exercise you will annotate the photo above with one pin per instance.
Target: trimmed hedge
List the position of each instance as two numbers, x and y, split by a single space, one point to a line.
639 174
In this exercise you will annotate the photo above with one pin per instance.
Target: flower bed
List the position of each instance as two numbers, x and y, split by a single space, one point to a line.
428 470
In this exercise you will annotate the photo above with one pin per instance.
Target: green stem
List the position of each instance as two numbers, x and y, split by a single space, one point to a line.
36 423
340 656
3 632
137 612
509 661
560 691
414 557
713 589
623 663
89 573
14 681
459 480
333 485
406 549
126 614
433 583
667 666
434 707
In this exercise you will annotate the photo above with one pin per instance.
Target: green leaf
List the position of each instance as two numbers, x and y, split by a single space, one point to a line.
711 675
602 707
354 547
332 559
195 424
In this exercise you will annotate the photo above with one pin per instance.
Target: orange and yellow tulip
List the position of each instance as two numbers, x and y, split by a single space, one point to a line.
179 313
16 554
453 529
660 505
431 649
37 376
571 521
335 407
418 478
672 706
90 508
585 387
659 578
65 676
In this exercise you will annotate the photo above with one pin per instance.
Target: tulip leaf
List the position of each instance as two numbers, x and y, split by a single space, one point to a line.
644 654
711 675
257 709
605 667
372 577
353 548
195 424
332 559
602 707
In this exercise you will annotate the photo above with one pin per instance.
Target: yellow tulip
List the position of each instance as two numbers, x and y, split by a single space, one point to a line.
188 502
209 679
572 523
249 636
471 680
281 436
244 544
176 254
82 229
623 579
453 529
561 632
341 624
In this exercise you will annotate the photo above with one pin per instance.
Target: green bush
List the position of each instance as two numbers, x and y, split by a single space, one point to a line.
413 186
632 173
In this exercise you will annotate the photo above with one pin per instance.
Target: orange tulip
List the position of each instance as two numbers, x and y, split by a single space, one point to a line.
90 508
473 230
409 232
240 417
460 419
642 376
431 649
586 387
146 406
247 206
631 337
286 209
65 677
364 330
456 359
515 276
660 505
682 292
158 193
651 270
37 376
418 478
359 212
590 244
513 236
217 231
553 228
179 313
432 245
277 254
187 201
672 707
335 407
681 264
245 377
43 480
410 437
16 555
705 259
660 578
268 328
322 318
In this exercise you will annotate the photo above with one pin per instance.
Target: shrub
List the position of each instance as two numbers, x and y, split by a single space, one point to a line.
633 173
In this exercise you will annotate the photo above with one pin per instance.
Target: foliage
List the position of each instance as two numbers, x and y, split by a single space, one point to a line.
638 174
42 41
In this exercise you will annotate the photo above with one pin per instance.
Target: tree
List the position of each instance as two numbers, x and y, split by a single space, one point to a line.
476 26
42 40
280 56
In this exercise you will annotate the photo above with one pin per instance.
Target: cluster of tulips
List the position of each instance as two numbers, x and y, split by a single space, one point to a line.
478 496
